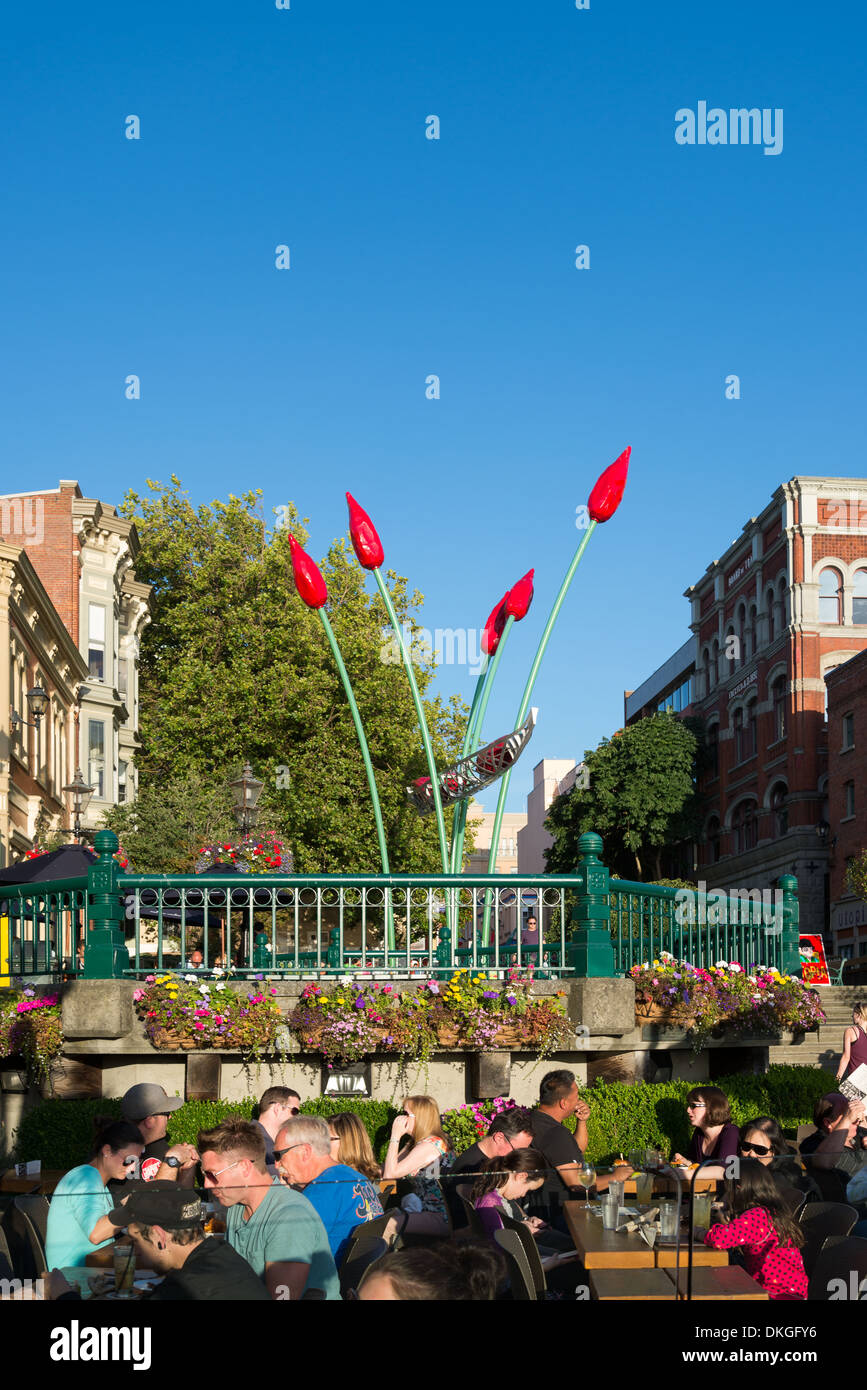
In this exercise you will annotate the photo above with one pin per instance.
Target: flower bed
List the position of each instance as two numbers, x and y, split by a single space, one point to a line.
184 1012
681 995
352 1021
30 1028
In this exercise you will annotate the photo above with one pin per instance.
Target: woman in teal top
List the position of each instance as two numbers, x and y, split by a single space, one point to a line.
78 1216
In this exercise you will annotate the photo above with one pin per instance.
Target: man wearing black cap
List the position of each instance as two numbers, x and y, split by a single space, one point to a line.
148 1107
165 1223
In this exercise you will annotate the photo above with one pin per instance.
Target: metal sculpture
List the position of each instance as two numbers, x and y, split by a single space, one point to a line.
471 775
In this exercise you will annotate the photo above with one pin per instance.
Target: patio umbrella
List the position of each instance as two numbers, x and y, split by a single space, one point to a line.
70 861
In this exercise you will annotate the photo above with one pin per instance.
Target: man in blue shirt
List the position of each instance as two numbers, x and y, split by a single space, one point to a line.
343 1197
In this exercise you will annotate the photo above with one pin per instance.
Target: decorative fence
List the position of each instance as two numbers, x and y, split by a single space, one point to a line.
112 924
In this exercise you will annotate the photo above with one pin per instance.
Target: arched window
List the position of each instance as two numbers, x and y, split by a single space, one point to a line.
715 666
712 854
779 811
769 604
779 700
741 630
783 605
713 751
830 596
859 598
750 738
752 632
738 723
744 827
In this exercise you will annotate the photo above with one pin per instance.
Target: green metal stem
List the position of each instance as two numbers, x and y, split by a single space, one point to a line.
422 722
473 739
368 767
525 705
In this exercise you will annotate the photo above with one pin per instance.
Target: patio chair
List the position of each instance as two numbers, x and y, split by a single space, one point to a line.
531 1252
474 1221
365 1252
31 1255
842 1258
6 1271
37 1207
835 970
818 1221
521 1281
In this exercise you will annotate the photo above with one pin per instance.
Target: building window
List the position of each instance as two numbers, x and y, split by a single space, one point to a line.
859 598
769 603
778 696
779 810
744 827
713 749
830 596
739 735
848 731
96 757
96 641
121 781
713 840
849 798
750 739
122 677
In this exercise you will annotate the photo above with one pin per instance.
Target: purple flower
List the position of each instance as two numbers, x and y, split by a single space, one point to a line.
510 999
489 994
359 1003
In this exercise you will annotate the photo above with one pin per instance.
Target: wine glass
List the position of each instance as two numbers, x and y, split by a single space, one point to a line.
587 1177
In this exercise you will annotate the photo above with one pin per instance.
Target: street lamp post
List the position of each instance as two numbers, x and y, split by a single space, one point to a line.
37 701
81 794
246 791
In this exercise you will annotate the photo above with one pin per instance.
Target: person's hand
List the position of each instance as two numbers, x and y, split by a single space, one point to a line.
582 1110
855 1113
534 1224
400 1126
622 1172
187 1154
55 1284
679 1161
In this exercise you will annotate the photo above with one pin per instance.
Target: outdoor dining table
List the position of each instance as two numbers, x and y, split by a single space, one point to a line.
601 1249
731 1282
44 1182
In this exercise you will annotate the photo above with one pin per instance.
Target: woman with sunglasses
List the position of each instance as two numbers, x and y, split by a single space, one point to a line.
78 1220
763 1140
714 1137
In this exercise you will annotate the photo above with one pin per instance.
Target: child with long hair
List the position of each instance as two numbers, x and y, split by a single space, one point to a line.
504 1181
760 1223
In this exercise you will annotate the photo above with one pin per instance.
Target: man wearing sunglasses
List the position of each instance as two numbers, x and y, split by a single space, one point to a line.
343 1197
278 1104
275 1229
148 1107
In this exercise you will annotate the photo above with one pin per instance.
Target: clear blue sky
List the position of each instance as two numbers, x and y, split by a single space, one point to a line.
454 257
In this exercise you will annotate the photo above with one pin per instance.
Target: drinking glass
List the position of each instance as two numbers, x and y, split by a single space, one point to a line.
701 1209
124 1268
610 1211
587 1177
617 1189
668 1220
643 1188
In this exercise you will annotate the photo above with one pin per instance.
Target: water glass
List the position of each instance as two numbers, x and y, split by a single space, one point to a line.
610 1212
668 1220
702 1202
643 1188
124 1268
617 1189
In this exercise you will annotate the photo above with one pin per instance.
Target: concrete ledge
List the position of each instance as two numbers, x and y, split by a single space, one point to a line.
97 1009
603 1006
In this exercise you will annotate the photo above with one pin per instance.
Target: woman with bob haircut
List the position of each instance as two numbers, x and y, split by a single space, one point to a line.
714 1134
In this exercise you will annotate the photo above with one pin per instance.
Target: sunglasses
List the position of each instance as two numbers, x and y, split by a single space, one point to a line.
762 1149
212 1175
278 1153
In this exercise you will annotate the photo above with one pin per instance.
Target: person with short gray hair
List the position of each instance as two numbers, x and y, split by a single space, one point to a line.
343 1197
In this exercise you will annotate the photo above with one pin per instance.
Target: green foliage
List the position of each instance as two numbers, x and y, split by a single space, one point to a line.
234 666
171 819
856 875
641 797
623 1116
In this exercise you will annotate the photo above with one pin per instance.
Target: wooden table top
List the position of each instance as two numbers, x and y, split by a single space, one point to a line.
44 1182
601 1249
634 1284
732 1282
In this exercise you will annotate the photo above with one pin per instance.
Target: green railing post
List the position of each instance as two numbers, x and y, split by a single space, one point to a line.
590 952
790 963
443 952
261 951
332 955
105 953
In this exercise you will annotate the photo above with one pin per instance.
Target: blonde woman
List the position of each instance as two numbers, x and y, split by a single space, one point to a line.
854 1043
350 1144
418 1149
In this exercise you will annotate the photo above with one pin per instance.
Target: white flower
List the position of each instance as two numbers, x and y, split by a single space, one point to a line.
204 989
722 965
221 984
217 973
738 969
345 980
191 979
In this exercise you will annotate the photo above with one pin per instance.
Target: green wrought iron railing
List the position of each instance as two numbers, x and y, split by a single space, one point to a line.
111 924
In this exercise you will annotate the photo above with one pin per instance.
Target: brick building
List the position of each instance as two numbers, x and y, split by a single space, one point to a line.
84 556
847 800
771 618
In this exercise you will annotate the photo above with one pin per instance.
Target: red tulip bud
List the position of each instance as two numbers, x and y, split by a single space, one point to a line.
365 541
608 490
520 596
308 581
494 627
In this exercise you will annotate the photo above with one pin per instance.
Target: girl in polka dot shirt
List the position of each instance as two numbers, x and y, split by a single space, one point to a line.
760 1224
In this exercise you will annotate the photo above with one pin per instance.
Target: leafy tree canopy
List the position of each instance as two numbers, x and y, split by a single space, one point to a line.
234 666
641 797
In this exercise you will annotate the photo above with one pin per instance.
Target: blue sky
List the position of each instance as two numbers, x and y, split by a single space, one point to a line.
455 257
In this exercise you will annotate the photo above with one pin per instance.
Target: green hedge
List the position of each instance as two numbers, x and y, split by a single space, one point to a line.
623 1115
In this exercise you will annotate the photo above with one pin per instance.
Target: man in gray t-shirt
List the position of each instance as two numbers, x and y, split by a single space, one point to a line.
276 1230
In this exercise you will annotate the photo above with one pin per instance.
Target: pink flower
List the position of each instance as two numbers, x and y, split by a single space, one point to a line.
138 994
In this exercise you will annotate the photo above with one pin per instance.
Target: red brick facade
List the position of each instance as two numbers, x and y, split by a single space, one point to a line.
847 797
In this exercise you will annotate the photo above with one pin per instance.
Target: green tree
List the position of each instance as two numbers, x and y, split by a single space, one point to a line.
163 830
234 666
641 798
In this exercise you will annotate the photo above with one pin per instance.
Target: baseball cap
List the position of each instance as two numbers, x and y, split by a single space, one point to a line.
147 1099
159 1204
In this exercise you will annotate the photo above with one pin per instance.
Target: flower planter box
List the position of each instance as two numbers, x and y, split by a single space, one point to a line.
660 1015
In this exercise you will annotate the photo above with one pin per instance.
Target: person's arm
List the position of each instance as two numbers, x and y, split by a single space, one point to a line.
848 1039
582 1114
749 1229
184 1176
103 1230
286 1274
419 1156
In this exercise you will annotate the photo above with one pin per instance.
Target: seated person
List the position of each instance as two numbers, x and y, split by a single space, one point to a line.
761 1224
763 1139
78 1220
343 1197
450 1271
419 1149
714 1136
165 1224
835 1152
